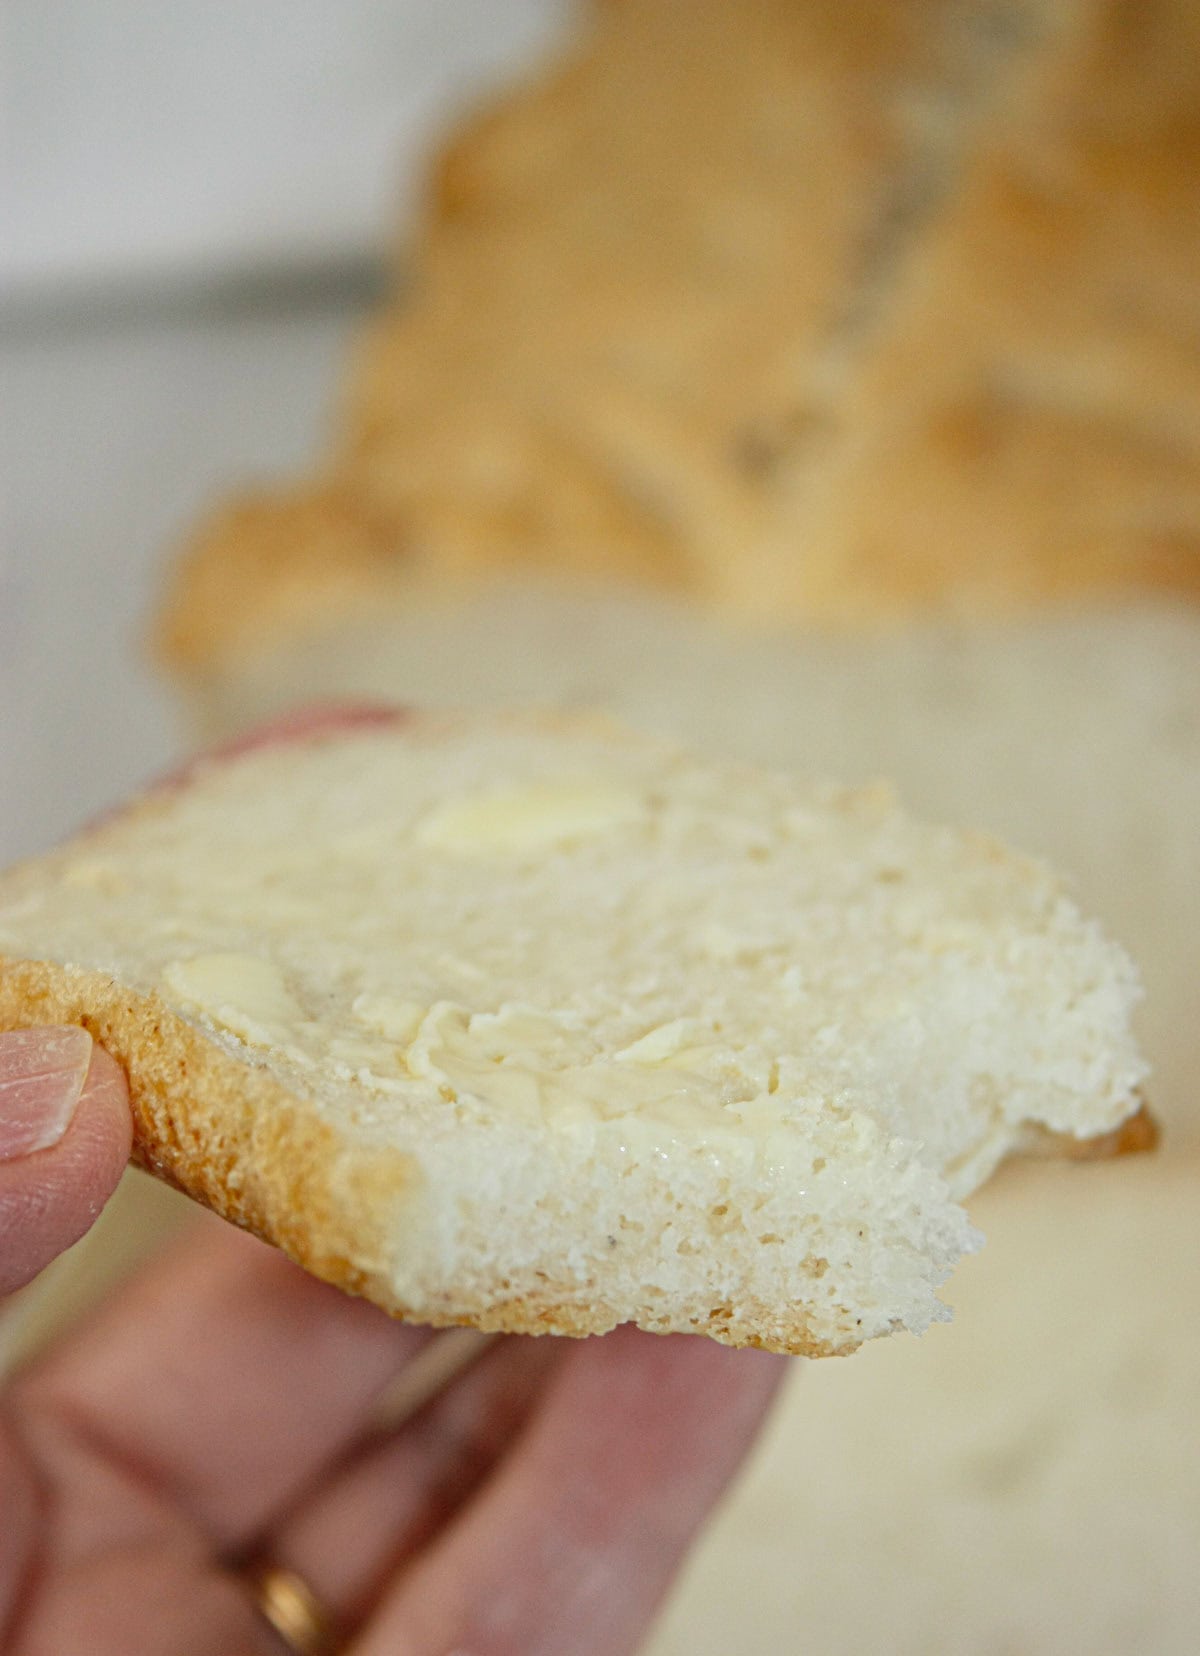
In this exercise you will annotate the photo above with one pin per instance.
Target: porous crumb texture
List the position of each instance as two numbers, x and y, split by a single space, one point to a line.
532 1024
823 310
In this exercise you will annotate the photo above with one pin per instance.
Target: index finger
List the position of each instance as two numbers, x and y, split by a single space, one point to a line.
577 1538
50 1197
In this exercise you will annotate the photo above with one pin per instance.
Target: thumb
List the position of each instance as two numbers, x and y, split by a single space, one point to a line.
65 1133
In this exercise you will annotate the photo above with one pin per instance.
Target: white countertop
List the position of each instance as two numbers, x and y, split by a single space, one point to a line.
119 431
144 140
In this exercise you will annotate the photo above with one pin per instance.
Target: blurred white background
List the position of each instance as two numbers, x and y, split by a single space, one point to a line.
177 140
195 201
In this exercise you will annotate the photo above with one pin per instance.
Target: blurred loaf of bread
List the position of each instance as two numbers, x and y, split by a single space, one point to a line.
816 310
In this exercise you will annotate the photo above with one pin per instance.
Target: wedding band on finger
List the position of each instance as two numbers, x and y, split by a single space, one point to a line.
284 1599
293 1611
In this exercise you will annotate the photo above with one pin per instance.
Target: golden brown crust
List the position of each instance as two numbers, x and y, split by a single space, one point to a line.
762 336
270 564
751 1326
1136 1136
225 1133
1029 416
235 1140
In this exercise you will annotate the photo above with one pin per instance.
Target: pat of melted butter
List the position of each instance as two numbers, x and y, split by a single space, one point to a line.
661 1044
532 818
521 1061
540 1066
239 992
387 1015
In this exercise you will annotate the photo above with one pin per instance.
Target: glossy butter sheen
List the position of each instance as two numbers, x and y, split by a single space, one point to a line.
524 1061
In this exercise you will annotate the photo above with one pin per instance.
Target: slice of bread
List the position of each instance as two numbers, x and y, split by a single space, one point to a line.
527 1023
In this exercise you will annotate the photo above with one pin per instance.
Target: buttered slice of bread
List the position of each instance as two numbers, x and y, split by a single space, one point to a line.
532 1024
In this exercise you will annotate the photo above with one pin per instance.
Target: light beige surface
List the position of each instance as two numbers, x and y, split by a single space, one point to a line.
824 310
1025 1482
545 1028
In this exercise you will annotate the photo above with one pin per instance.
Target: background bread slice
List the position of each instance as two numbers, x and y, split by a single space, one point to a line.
1076 736
531 1025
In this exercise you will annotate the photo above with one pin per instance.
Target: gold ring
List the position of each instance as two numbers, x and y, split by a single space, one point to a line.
292 1609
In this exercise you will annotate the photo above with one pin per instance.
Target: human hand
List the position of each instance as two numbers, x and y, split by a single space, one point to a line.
220 1409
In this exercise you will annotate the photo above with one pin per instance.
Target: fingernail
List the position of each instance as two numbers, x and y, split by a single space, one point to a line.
42 1072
